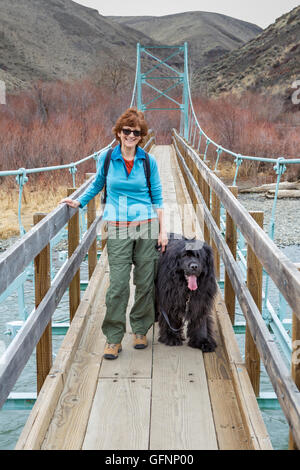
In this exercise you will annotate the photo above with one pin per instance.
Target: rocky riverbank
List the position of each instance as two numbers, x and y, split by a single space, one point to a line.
4 244
287 227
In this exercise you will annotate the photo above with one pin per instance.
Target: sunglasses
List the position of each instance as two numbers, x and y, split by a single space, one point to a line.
128 132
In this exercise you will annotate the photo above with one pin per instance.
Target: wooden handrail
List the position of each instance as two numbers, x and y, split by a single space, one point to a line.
42 283
20 349
73 242
284 386
283 271
16 258
254 284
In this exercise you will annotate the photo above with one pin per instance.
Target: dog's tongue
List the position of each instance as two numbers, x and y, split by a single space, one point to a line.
192 282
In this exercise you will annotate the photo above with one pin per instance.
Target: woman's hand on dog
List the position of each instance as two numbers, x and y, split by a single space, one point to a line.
162 241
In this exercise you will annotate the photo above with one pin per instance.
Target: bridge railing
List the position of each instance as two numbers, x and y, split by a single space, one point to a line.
202 183
14 261
195 131
31 246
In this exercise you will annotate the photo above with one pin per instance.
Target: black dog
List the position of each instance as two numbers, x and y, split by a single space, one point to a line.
185 290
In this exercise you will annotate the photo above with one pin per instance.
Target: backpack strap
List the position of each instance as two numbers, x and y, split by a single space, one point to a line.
146 164
106 167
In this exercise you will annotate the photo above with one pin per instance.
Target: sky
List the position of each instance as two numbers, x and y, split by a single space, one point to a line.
259 12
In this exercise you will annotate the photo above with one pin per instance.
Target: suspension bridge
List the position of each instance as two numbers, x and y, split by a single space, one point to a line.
162 397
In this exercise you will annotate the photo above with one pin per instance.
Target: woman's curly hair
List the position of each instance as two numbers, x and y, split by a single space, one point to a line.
131 118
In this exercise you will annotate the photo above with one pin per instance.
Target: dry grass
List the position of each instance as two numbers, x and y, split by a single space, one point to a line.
42 200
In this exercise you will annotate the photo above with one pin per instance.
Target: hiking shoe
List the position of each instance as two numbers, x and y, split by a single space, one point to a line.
139 341
112 350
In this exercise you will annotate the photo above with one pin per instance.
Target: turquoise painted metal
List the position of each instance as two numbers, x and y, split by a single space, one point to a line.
143 79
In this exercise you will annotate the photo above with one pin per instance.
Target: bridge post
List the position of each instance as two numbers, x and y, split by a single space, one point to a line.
215 211
42 283
230 237
295 365
92 253
91 215
254 284
73 242
206 196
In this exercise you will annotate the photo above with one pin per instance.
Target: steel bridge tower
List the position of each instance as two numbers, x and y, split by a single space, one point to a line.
178 78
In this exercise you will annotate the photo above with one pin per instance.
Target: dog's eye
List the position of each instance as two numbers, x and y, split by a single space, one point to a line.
189 253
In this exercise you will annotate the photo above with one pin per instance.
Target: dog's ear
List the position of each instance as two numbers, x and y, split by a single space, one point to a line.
178 257
209 268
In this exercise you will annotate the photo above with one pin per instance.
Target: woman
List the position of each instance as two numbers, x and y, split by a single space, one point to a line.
135 227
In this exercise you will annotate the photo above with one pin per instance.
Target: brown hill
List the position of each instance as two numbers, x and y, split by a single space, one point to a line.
209 35
57 39
269 62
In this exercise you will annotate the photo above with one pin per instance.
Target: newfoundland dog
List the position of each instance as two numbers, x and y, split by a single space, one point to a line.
185 289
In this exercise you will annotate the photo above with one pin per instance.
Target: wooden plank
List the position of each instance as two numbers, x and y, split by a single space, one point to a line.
231 240
92 253
230 430
21 347
179 400
181 416
74 405
131 363
287 393
42 283
281 269
295 367
39 419
73 242
215 210
254 284
229 426
234 357
16 258
257 435
120 416
171 212
225 407
188 214
206 198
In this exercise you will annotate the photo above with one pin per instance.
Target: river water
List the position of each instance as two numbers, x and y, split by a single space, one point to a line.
12 421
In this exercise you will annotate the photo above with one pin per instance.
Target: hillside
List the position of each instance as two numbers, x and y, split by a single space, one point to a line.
269 62
57 39
209 35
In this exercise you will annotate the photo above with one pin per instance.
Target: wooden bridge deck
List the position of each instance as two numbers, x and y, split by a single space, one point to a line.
158 398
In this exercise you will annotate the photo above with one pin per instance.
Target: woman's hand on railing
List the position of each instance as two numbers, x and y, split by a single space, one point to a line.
72 203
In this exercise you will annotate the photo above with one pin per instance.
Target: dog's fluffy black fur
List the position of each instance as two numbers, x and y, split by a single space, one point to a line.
178 266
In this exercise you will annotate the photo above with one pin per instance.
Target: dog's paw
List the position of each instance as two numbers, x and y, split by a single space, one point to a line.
171 341
208 346
205 345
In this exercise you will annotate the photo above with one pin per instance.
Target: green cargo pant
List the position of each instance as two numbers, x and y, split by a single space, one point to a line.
127 246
